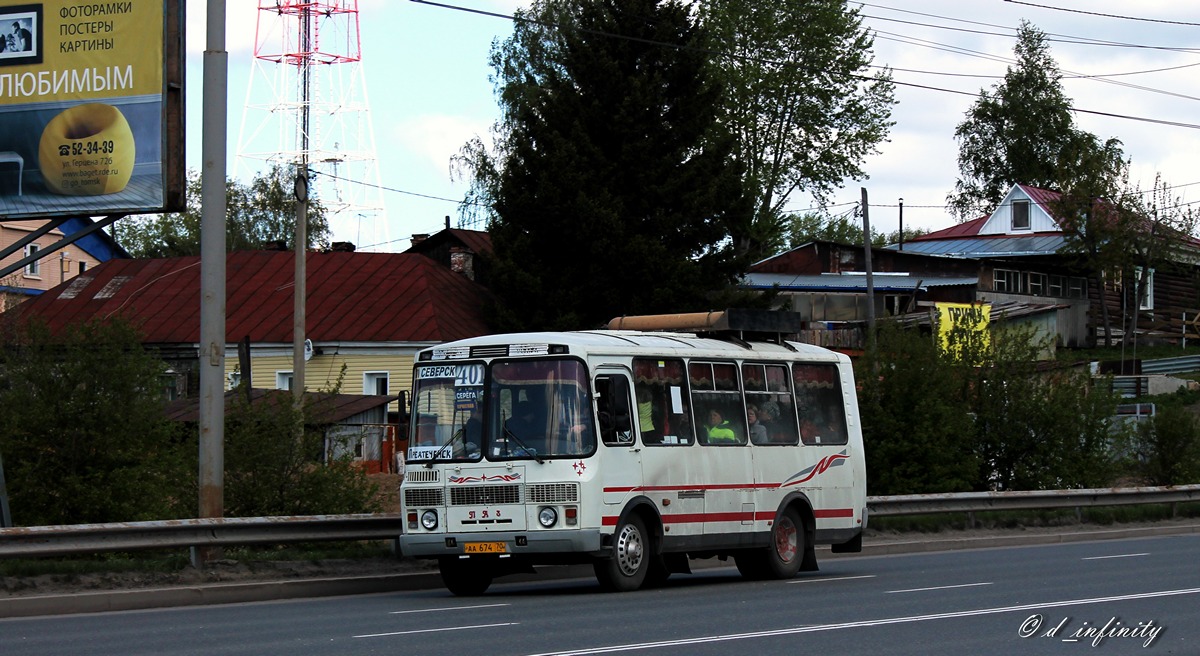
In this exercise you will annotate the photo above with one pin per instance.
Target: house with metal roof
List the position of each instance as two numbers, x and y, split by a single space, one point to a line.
32 262
367 314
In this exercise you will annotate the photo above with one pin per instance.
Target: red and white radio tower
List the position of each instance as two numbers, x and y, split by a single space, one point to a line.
314 112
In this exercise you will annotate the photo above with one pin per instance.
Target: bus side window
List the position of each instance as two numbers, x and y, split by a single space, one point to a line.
615 410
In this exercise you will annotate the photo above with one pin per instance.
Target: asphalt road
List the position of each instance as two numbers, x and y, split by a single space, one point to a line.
1110 597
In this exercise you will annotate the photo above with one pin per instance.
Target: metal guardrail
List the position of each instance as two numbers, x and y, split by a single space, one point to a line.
923 504
133 536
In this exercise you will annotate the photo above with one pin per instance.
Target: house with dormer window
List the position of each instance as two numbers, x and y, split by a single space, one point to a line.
1014 259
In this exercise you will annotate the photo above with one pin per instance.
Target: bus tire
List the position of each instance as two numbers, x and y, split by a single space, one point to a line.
626 570
789 543
464 578
781 558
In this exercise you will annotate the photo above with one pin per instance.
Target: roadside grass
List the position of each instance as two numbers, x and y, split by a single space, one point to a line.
67 568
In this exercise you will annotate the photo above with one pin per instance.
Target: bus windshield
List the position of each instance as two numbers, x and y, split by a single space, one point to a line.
526 409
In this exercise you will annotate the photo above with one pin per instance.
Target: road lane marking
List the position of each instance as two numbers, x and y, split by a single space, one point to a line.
834 578
939 587
1147 553
641 646
447 628
435 610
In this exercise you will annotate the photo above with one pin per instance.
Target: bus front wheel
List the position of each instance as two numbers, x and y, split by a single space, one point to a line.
626 569
464 578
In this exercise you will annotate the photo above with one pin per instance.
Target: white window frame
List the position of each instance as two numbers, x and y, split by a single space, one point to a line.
370 382
1006 276
1037 284
283 379
1146 300
1024 204
34 268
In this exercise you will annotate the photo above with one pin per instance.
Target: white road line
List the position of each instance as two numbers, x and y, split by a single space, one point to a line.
448 628
865 623
435 610
834 578
940 587
1117 556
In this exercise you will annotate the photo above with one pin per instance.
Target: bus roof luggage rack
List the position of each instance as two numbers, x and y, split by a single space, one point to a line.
734 324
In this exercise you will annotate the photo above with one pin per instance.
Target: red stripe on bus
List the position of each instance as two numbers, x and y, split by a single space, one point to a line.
676 488
700 518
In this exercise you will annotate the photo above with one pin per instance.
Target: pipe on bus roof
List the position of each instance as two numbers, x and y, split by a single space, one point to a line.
685 321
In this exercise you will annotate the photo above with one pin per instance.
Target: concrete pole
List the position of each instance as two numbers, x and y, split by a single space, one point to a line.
212 275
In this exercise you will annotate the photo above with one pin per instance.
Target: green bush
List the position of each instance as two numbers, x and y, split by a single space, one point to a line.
83 432
1168 447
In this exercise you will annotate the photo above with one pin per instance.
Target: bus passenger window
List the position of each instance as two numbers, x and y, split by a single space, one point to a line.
664 418
769 395
819 404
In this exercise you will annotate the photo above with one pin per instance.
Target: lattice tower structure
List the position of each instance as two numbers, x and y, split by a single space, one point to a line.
306 106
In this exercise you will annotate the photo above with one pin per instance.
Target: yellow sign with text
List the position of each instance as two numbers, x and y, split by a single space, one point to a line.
962 330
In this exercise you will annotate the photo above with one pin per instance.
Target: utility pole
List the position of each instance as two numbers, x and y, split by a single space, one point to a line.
212 276
870 280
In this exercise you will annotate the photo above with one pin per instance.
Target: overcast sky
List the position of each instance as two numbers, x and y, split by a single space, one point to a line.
427 78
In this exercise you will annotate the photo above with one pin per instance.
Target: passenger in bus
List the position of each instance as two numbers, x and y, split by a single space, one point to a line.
756 429
522 429
719 429
645 404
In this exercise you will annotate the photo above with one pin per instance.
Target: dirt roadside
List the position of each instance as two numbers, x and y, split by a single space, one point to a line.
231 571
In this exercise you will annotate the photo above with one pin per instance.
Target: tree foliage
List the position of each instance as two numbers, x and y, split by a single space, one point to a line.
801 100
258 215
269 471
1023 132
842 229
611 189
83 432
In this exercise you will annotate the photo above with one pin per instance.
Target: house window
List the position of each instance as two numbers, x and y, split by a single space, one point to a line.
1146 294
375 382
1056 285
34 268
1004 280
1020 215
1077 288
283 380
235 379
1037 284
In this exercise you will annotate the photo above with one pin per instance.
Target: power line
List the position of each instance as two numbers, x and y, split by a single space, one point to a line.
1096 13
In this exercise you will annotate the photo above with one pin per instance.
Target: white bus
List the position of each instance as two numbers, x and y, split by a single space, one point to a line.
633 451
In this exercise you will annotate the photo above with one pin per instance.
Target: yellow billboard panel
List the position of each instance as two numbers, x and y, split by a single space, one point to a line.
962 329
82 106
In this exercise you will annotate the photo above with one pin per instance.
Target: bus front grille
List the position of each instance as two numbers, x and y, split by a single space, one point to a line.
482 495
554 493
423 497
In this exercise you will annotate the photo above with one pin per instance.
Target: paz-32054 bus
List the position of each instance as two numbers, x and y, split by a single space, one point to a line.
633 451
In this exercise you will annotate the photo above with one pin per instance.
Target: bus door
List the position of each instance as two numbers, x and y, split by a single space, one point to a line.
621 468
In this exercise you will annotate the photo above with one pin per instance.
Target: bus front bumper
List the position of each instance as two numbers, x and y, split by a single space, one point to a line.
433 545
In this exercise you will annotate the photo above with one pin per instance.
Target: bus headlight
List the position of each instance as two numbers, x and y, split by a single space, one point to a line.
547 517
429 520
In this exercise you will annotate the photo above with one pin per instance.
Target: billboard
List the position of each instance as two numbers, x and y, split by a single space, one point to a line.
91 107
962 330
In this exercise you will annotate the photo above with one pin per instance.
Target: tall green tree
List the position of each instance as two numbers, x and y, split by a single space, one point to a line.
801 99
803 228
611 189
258 214
1023 132
84 434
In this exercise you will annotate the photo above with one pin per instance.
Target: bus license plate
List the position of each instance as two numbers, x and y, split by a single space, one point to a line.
485 547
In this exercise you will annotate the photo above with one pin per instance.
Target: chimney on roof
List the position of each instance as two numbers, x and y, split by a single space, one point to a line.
419 237
447 221
462 260
341 247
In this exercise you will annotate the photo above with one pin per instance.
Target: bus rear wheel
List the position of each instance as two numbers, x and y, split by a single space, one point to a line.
780 559
626 569
464 578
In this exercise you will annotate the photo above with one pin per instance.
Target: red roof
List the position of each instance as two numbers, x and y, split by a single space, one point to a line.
362 297
964 229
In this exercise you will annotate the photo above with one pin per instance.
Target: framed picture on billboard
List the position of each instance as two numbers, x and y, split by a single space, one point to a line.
20 35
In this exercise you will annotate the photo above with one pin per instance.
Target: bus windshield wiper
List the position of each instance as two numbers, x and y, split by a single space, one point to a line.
437 454
510 434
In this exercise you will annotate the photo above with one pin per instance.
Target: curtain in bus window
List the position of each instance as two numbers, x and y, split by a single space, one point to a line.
662 400
719 411
770 414
819 404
